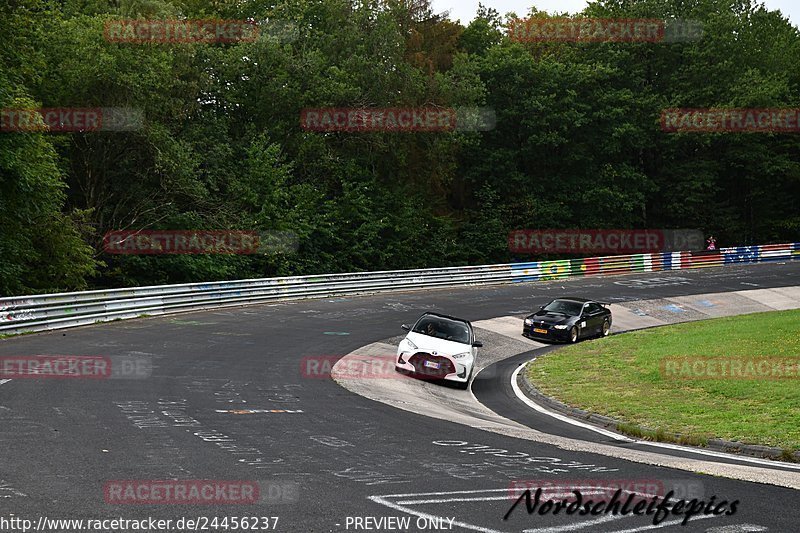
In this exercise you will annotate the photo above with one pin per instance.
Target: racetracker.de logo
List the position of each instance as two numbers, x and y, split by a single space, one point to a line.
744 368
180 31
55 367
562 488
181 492
71 119
349 367
586 241
75 367
397 120
594 30
167 242
731 120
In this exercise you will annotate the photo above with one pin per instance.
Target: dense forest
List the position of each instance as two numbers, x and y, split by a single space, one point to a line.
577 143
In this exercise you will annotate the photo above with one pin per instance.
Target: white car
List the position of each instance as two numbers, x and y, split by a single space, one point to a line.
439 347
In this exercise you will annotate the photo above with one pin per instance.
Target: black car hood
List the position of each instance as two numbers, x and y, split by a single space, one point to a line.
551 319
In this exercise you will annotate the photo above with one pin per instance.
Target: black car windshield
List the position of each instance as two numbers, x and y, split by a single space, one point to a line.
443 328
564 306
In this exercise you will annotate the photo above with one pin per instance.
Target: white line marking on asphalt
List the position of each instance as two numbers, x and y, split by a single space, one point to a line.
590 490
662 524
452 500
738 528
533 405
479 491
574 527
401 506
381 500
762 462
2 381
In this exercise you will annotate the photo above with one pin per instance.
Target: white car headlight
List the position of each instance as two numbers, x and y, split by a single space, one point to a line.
461 355
561 326
411 344
528 322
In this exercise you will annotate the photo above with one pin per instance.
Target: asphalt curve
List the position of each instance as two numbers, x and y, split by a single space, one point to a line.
227 399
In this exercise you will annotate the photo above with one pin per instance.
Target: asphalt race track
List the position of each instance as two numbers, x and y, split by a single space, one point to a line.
227 400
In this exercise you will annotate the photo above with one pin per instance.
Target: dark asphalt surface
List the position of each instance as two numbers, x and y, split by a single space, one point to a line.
343 455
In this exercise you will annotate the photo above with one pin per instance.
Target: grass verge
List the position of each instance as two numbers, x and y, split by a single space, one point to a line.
624 377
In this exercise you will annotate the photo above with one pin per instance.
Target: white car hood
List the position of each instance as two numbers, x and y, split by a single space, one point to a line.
440 346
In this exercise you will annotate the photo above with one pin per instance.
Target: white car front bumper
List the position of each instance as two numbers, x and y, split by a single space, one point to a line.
461 367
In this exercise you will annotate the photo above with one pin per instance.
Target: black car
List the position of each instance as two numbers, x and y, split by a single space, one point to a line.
568 320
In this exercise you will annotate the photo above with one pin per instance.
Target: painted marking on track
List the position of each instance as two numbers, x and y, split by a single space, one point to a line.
397 507
738 528
592 490
254 411
339 333
399 503
535 406
333 442
3 381
7 491
574 527
743 458
659 526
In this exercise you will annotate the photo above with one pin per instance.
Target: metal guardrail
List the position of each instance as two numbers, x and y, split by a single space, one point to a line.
56 311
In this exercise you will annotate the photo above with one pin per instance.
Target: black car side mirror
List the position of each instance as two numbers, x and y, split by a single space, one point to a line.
477 344
406 327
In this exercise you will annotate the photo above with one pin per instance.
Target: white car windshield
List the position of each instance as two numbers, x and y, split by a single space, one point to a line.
443 328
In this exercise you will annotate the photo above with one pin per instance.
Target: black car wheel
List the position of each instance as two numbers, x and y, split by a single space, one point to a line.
573 334
606 328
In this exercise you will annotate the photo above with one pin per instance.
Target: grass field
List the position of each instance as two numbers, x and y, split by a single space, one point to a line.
622 377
